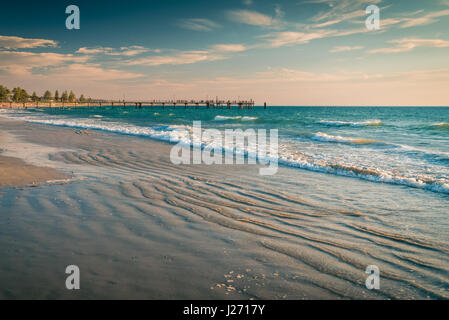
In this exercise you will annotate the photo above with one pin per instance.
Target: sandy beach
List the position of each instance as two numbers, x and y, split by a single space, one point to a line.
15 172
141 227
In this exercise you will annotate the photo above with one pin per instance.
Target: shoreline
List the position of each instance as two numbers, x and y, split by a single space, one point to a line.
15 172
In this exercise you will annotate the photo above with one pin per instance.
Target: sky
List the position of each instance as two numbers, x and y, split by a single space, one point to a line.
286 52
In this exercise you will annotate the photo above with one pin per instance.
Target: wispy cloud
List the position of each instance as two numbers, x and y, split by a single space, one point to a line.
408 44
416 18
425 19
18 62
341 10
12 43
31 59
345 48
184 57
327 23
229 47
123 51
198 24
94 72
213 53
286 38
33 65
350 10
253 18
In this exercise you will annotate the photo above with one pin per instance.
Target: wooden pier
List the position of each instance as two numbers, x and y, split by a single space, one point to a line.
208 104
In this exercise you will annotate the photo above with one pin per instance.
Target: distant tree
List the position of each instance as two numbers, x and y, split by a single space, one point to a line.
56 95
19 95
47 96
34 97
64 96
90 99
4 93
72 97
82 99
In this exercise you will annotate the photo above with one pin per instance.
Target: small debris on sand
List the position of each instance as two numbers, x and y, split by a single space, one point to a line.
82 132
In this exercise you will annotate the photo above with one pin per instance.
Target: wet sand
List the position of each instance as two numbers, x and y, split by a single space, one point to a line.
141 227
14 172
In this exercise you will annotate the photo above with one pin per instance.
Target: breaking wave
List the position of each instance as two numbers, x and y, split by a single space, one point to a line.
323 137
367 123
440 125
241 118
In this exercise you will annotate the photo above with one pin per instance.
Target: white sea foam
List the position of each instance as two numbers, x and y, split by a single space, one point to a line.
440 125
242 118
367 123
324 137
249 118
427 183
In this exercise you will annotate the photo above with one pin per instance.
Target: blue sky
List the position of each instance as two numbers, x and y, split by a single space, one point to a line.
313 52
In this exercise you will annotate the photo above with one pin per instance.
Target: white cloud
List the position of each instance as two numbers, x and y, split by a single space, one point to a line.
12 43
198 24
229 47
29 65
345 48
214 53
123 51
342 9
17 62
408 44
425 19
132 51
85 50
327 23
92 72
279 39
413 19
252 18
184 57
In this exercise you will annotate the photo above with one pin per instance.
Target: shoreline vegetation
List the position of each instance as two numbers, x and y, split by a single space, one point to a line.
20 98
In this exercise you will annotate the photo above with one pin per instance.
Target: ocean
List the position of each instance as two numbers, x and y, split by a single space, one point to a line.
396 145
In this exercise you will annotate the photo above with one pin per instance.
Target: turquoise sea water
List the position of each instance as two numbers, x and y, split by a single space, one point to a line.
397 145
